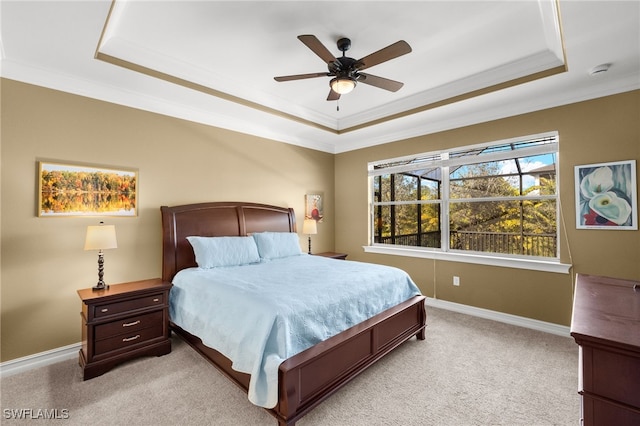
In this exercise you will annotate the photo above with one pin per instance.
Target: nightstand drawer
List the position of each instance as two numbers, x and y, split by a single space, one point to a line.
102 311
129 339
127 325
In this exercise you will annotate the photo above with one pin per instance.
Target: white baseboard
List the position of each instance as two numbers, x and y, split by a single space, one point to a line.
64 353
41 359
547 327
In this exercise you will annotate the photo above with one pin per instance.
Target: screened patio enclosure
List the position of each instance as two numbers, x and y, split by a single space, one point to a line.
492 199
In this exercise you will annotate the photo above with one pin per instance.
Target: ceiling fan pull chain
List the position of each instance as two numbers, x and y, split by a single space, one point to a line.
338 105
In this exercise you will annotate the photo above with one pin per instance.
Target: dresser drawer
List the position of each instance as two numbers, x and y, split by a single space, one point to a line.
598 411
130 339
102 311
612 375
127 325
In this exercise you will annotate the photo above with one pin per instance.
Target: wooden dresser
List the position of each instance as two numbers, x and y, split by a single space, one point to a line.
606 326
123 322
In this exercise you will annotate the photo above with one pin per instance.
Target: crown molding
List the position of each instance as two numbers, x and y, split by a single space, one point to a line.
249 121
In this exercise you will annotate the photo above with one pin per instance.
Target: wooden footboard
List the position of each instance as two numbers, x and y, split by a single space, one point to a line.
308 378
311 376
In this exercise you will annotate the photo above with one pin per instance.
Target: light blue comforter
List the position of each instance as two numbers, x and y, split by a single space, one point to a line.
258 315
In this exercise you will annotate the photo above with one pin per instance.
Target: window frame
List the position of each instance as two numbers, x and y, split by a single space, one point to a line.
442 160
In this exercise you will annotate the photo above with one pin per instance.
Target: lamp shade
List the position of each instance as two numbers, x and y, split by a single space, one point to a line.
309 227
100 237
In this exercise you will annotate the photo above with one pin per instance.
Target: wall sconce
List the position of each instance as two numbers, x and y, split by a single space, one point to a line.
101 237
309 227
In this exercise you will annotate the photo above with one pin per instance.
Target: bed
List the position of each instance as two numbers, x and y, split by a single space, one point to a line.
305 379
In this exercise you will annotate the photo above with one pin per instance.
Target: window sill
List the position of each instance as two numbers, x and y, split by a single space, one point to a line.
505 262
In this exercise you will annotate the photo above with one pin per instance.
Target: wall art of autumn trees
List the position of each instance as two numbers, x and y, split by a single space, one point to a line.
66 192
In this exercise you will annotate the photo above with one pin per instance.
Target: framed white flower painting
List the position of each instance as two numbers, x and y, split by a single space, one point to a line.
606 196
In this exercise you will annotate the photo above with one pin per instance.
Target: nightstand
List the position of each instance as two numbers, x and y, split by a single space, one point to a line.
332 255
123 322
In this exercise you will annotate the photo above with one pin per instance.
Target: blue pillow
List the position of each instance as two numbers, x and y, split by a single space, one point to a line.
212 252
274 245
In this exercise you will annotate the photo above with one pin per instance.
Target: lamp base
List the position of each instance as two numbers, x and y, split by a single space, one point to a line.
100 286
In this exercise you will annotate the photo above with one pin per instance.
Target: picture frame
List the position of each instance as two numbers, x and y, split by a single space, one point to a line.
68 189
606 196
313 207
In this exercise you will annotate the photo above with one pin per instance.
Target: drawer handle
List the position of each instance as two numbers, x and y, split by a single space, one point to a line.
156 300
128 339
104 310
131 323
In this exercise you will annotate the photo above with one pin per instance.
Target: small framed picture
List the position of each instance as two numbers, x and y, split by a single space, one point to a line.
313 207
606 196
66 189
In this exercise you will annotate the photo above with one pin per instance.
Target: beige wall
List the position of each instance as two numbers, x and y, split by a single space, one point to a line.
606 129
43 262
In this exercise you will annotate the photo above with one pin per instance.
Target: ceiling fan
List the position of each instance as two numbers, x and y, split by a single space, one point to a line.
346 72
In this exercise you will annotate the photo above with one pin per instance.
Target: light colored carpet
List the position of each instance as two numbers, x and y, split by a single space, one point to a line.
468 371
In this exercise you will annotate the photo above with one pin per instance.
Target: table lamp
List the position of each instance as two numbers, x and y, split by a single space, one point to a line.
100 237
309 227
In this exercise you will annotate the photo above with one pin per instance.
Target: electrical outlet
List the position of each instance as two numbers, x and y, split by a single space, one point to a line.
456 281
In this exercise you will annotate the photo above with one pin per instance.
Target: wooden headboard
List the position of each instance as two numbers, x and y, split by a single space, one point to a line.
217 219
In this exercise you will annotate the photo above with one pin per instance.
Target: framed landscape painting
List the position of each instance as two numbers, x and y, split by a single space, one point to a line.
78 190
606 196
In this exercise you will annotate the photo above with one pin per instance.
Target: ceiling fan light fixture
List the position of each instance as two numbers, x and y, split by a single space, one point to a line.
342 85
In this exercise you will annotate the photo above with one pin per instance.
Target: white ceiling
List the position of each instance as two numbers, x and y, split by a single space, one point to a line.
213 62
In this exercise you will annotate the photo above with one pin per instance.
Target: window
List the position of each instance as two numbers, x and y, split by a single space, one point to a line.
497 199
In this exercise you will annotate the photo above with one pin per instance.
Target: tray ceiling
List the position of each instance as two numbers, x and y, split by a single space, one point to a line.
214 62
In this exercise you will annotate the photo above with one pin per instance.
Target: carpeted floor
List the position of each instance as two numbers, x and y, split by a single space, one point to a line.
468 371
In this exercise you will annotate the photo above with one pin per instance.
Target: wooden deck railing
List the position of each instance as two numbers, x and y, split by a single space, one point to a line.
542 245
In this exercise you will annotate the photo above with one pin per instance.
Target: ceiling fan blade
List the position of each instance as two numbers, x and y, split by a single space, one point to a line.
301 76
318 48
392 51
333 96
382 83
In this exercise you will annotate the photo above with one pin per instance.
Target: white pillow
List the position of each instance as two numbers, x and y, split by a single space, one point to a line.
212 252
274 245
